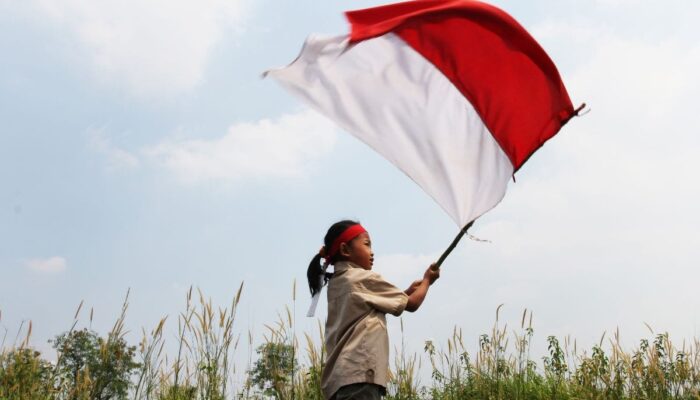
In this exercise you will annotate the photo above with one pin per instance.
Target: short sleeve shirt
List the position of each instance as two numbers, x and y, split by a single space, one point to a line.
357 342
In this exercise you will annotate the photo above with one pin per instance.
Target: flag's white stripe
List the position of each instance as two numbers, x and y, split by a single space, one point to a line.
390 97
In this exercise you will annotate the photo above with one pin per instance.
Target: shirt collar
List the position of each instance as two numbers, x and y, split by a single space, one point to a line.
341 266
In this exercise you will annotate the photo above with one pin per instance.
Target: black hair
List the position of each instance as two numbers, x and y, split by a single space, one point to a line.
315 271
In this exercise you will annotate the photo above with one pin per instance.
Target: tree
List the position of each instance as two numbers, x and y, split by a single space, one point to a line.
90 365
272 372
24 375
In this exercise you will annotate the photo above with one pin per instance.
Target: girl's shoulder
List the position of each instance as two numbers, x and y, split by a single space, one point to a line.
359 275
352 280
369 281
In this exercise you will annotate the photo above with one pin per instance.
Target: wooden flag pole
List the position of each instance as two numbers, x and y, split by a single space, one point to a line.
452 245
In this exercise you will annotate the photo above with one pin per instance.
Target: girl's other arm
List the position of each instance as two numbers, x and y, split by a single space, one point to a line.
413 287
419 289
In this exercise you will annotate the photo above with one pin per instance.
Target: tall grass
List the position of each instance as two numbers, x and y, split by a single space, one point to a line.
289 364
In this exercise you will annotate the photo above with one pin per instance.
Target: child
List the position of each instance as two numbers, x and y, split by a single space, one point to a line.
357 342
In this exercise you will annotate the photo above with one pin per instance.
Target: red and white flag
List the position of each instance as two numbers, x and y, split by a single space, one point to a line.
455 93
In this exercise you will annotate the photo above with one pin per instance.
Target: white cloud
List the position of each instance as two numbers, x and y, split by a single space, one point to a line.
283 148
636 146
270 149
155 47
49 265
117 158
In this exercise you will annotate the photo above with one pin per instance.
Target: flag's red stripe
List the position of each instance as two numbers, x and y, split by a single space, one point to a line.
491 59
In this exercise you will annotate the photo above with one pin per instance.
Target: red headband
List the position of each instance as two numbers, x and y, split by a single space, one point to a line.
349 234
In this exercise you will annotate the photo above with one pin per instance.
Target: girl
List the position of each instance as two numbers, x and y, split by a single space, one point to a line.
357 342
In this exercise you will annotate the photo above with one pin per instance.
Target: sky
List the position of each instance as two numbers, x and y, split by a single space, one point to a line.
141 150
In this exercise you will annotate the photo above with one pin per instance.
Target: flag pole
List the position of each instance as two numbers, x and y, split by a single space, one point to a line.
453 245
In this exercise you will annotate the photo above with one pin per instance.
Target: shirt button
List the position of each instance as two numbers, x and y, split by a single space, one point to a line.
370 373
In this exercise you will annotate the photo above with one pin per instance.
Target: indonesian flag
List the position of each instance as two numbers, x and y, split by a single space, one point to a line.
455 93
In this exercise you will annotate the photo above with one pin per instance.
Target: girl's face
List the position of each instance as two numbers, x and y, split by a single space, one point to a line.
359 251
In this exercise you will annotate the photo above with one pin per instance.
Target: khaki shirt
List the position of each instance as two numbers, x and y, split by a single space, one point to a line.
357 342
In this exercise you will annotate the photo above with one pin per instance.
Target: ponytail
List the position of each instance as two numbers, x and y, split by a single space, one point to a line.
315 275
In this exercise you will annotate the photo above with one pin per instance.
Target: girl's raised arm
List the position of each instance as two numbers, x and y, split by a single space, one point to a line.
419 289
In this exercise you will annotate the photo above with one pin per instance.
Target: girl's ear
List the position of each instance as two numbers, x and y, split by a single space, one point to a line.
344 250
